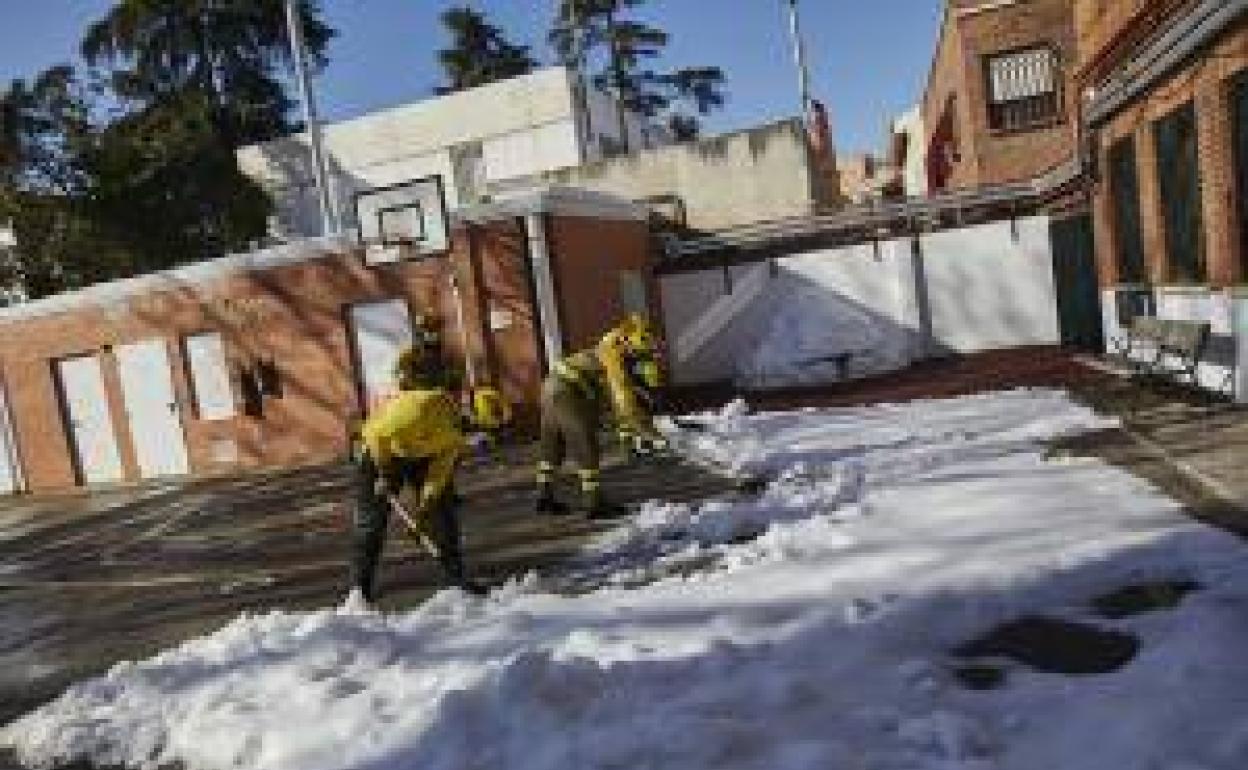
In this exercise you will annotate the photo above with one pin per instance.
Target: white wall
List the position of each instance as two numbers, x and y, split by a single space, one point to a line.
988 290
604 121
532 150
523 126
963 291
815 305
423 128
914 165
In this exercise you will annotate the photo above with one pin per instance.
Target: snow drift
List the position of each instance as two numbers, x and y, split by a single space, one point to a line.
804 627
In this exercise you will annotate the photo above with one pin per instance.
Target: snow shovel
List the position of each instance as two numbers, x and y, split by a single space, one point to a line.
425 541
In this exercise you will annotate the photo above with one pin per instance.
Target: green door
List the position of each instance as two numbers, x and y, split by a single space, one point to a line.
1074 272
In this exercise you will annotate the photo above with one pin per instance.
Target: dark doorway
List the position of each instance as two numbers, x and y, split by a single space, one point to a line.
1239 106
1074 272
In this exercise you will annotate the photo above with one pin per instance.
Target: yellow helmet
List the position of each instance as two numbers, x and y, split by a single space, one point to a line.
636 334
635 339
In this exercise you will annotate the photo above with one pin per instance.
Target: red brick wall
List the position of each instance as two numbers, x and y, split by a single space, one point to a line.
589 256
988 156
946 81
298 313
1206 82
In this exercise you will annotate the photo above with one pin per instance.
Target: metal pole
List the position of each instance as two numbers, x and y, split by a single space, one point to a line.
329 214
799 58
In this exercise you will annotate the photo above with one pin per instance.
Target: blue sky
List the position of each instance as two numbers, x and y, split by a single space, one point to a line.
868 60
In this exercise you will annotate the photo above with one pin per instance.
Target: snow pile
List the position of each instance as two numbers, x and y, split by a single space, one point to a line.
815 336
888 537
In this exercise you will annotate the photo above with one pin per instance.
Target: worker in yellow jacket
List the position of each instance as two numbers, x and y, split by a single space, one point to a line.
489 414
411 446
613 375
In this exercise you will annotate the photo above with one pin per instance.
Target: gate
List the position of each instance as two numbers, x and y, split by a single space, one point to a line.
1074 272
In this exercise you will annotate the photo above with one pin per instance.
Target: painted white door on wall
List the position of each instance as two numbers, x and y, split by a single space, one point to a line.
152 408
380 330
210 376
10 467
90 426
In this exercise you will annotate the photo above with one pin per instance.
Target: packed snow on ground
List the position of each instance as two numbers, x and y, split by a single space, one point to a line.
807 626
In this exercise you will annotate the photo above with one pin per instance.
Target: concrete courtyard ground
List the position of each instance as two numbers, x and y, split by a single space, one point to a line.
88 580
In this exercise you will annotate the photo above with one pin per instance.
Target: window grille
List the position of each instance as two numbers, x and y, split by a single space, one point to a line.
1023 89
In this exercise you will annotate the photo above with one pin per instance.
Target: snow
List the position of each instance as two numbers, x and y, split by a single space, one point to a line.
813 335
808 626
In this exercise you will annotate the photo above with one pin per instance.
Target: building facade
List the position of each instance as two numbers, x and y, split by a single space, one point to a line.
757 174
265 359
908 152
472 139
1165 88
999 103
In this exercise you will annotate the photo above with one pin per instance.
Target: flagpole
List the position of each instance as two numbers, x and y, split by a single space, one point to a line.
799 58
329 218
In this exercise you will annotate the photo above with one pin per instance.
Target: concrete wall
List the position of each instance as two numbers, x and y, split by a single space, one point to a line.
737 178
961 291
503 130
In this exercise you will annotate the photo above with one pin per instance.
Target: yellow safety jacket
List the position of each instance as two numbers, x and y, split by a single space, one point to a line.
602 371
490 411
417 425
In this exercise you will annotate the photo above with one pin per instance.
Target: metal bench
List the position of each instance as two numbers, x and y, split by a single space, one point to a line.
1157 346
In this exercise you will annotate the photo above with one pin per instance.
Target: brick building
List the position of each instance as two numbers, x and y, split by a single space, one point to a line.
864 177
999 106
1165 88
263 359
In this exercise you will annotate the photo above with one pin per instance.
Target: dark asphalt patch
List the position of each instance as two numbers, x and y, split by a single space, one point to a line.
1055 646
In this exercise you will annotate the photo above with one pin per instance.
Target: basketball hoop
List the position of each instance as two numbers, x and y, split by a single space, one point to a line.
408 218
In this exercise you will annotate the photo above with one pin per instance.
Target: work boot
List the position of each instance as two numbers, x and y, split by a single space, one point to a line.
546 503
599 508
456 576
451 553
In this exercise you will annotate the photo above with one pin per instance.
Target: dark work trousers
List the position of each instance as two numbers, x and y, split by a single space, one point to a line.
569 426
372 517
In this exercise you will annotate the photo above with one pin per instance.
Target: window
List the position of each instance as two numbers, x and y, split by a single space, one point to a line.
1178 172
1023 89
944 152
1239 102
210 377
1124 189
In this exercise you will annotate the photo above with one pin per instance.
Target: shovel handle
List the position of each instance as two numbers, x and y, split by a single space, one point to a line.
406 516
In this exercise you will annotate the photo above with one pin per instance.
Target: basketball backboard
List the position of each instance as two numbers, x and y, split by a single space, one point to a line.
408 214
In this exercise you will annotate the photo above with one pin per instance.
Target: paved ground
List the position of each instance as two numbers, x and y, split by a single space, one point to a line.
87 580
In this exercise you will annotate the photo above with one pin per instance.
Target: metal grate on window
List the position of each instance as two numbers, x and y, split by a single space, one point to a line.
1022 88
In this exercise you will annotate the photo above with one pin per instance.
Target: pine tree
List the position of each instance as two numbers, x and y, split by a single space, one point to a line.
479 52
628 49
197 80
